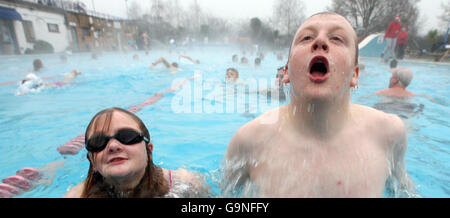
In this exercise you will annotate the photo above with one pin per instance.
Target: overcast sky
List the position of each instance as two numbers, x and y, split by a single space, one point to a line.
231 9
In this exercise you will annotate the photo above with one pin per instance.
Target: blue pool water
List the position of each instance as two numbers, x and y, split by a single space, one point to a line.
34 125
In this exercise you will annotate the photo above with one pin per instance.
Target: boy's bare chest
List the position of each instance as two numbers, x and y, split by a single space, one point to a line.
346 167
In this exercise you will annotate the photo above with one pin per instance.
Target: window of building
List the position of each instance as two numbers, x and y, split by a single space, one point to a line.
86 31
29 31
53 28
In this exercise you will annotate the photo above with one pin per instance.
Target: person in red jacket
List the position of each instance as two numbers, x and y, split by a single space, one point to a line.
402 39
391 37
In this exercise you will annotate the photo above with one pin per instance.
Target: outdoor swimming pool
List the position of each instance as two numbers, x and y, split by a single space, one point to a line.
33 126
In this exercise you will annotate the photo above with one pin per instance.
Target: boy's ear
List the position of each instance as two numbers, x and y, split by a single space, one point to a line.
355 76
286 75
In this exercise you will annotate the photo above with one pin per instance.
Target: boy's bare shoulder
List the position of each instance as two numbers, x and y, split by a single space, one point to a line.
246 136
264 123
387 125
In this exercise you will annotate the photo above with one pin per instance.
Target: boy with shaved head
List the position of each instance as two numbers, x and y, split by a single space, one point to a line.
320 144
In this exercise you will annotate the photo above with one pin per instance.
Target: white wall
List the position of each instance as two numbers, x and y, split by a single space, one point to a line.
40 19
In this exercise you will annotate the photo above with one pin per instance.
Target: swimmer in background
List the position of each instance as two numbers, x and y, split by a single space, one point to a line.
37 65
400 79
32 83
72 75
231 81
320 144
244 60
278 90
120 155
232 75
397 97
194 61
235 58
136 57
257 62
172 66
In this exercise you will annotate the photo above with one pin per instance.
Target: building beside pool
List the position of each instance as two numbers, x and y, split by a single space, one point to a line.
30 25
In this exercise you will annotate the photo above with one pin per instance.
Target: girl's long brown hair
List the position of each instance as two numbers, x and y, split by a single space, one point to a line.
152 183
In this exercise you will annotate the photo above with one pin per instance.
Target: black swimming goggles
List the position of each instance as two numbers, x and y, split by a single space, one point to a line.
98 142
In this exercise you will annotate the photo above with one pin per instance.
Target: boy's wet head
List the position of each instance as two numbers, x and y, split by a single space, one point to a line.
347 23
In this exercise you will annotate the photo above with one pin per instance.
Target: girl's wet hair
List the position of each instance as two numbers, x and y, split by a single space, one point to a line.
106 115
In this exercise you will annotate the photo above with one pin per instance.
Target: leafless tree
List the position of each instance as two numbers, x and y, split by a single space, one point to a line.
134 11
361 13
369 16
196 16
445 16
288 15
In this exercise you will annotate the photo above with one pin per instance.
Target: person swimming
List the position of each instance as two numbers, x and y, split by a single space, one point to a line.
172 66
244 60
30 84
397 98
235 58
320 144
120 156
37 65
232 75
194 61
278 90
400 79
257 62
72 75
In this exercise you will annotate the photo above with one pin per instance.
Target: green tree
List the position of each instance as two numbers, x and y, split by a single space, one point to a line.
433 40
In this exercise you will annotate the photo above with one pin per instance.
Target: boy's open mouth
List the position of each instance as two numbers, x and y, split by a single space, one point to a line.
318 69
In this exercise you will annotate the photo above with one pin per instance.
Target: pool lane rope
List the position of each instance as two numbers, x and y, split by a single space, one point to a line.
23 180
